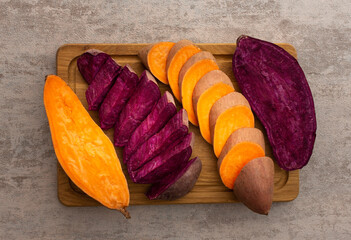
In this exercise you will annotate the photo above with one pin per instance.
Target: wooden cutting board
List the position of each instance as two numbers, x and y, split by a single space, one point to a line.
208 188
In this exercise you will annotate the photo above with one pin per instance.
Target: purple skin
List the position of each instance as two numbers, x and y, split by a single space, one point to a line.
278 92
177 184
137 108
90 62
117 97
102 83
164 110
176 128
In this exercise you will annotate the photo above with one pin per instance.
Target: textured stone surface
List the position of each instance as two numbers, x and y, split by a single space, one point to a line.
32 31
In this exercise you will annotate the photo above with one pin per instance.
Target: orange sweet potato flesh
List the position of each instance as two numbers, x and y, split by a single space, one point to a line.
177 57
85 153
205 103
192 71
229 121
154 58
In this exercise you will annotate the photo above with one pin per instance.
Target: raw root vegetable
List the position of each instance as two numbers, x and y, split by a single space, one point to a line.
194 69
166 162
90 62
242 146
102 83
276 87
164 110
178 55
228 121
85 153
136 110
154 58
208 90
117 97
177 184
254 185
176 128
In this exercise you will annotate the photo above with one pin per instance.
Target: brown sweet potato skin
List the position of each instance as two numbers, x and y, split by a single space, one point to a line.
254 185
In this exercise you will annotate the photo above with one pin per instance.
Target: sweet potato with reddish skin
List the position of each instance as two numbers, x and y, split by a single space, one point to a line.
117 97
137 108
102 83
166 162
178 184
164 110
276 87
176 128
90 62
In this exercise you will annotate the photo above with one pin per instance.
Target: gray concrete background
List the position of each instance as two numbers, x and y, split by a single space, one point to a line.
32 31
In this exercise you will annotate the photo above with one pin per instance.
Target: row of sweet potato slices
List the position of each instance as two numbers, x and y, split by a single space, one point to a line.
223 115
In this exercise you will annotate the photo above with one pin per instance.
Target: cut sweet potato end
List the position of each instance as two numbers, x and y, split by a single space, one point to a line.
205 103
236 159
157 58
228 122
193 75
176 64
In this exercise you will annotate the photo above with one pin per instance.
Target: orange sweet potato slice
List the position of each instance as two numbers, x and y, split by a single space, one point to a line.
192 71
154 58
177 57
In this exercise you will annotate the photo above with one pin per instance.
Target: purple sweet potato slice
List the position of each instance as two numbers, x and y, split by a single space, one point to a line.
164 110
117 97
278 92
102 83
177 184
165 163
175 128
90 62
137 108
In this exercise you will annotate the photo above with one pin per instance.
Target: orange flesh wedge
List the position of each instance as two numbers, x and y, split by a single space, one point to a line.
157 58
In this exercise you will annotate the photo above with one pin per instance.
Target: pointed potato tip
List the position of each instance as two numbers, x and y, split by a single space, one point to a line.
240 38
124 212
254 185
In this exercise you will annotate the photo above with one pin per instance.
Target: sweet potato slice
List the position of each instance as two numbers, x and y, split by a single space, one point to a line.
163 111
102 83
241 147
136 110
90 62
165 163
228 122
177 184
117 97
154 58
194 69
213 88
254 185
176 128
177 57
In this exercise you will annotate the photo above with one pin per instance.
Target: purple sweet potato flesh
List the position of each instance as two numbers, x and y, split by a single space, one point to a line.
164 110
278 92
117 97
177 184
90 62
175 128
102 83
137 108
165 163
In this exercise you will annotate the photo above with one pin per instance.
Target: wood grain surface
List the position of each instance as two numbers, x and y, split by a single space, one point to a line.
208 188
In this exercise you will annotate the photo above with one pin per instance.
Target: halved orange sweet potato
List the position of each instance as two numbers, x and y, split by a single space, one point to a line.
192 71
177 57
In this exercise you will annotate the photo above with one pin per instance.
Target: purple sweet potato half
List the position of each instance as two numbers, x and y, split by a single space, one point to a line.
102 83
175 128
165 163
164 110
178 183
90 62
278 92
137 108
117 97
